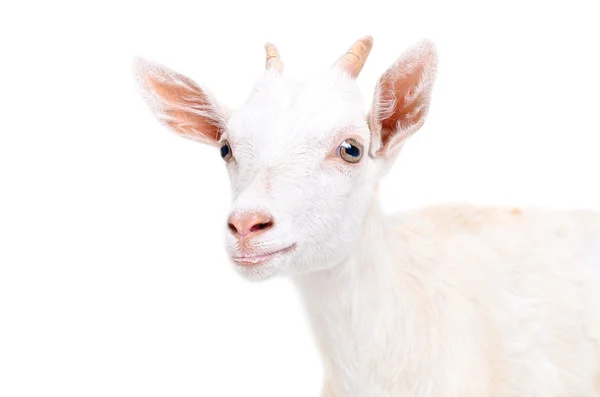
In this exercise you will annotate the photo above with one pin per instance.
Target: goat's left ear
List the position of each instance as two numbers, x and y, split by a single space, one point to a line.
401 100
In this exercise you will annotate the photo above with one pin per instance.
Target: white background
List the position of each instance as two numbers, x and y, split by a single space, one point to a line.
113 275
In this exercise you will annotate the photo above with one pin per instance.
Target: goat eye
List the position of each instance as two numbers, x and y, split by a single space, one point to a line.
350 150
225 151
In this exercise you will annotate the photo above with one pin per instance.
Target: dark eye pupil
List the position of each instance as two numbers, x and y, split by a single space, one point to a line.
224 151
351 150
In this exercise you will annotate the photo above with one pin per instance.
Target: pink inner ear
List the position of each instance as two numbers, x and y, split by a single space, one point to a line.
408 99
406 95
186 108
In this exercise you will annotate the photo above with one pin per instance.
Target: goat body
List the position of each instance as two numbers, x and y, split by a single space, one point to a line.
463 301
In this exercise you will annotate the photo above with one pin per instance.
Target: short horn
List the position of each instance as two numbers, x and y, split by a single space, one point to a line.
273 58
356 56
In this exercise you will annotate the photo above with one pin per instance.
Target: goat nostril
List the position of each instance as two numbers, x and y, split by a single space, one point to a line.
261 226
232 228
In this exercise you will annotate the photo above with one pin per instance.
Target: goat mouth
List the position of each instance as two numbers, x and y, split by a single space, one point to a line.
252 260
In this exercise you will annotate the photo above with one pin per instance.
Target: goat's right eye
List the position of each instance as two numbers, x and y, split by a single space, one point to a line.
225 151
350 150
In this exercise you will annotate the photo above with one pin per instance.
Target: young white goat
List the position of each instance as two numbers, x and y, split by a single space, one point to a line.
447 301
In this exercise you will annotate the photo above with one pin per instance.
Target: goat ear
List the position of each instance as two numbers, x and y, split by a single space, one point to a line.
401 99
180 103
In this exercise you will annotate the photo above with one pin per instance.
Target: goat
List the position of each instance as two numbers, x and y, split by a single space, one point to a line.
447 301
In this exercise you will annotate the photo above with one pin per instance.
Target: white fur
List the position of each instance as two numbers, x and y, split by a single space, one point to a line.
463 301
448 301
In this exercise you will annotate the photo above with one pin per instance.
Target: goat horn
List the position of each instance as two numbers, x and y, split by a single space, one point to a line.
356 56
273 58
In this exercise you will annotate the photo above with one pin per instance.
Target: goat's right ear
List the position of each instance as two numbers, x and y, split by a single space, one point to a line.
180 103
401 100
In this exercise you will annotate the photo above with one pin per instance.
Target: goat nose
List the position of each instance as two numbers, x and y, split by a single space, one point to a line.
249 224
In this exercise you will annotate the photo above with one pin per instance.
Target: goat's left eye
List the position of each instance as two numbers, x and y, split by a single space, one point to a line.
350 150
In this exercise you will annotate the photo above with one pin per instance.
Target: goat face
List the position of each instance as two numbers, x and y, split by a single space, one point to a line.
303 158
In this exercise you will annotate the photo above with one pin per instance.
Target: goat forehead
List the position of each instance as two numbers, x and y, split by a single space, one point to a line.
283 115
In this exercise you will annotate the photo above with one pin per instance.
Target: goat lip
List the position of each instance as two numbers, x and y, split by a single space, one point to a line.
247 260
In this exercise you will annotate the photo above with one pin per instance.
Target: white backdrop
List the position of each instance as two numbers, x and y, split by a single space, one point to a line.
113 276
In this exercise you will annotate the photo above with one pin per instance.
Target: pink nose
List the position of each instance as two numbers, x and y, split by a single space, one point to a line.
249 224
